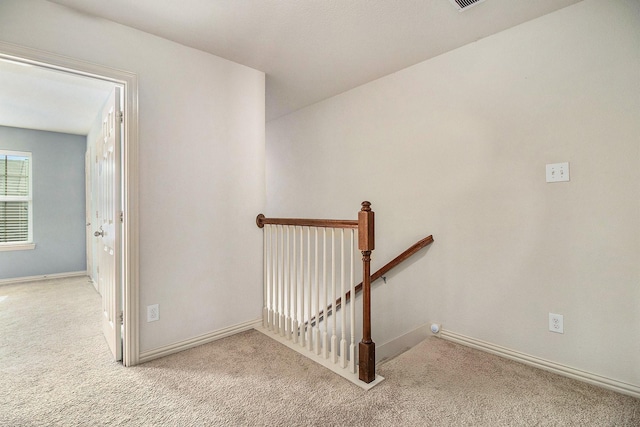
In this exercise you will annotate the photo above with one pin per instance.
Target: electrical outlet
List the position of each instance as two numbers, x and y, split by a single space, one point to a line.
556 323
153 313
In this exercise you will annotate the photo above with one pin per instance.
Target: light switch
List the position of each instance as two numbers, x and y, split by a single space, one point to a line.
558 172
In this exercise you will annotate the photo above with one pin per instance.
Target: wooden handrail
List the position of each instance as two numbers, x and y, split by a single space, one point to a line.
261 220
378 274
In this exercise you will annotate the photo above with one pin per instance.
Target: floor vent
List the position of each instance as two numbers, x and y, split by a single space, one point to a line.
465 4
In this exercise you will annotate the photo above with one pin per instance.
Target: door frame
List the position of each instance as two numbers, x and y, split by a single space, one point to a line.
129 174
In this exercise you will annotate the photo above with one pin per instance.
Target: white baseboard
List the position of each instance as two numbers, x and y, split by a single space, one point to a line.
598 380
401 344
327 363
194 342
43 277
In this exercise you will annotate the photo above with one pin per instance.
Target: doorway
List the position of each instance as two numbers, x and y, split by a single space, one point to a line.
127 260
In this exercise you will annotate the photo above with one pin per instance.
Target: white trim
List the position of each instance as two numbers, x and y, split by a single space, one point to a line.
196 341
547 365
129 167
319 359
399 345
43 277
18 154
5 247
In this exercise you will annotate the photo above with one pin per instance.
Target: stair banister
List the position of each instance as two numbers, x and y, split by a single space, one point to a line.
301 329
281 317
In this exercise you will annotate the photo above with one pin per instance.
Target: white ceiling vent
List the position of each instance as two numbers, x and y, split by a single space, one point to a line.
465 4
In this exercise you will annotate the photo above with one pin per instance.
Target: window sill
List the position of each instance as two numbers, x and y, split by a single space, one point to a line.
17 247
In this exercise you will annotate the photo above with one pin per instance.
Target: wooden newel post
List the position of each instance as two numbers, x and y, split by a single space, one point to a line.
366 243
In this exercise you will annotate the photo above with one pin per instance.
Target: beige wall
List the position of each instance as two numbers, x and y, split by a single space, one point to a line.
456 147
201 166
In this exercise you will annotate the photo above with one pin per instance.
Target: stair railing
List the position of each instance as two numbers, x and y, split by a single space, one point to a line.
413 249
295 285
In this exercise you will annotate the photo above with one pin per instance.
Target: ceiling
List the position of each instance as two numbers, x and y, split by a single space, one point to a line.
33 97
310 50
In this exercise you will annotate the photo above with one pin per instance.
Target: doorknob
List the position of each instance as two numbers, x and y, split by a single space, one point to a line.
99 233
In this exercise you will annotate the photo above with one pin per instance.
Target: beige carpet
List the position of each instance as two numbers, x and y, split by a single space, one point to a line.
55 370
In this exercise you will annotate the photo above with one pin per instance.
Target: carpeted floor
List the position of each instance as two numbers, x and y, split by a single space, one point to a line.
55 370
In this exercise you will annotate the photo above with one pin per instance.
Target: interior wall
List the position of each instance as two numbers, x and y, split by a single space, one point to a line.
456 147
201 167
58 204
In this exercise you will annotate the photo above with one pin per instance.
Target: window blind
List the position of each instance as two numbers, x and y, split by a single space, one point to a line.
15 197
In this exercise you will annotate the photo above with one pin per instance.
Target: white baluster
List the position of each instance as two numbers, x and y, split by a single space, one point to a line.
275 280
325 285
310 292
352 307
287 287
295 324
316 329
334 315
281 277
303 331
281 280
343 299
265 280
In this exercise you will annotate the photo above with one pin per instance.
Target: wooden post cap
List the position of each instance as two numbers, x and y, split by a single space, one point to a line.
366 239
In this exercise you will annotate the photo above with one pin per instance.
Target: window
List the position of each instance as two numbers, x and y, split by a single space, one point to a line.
16 228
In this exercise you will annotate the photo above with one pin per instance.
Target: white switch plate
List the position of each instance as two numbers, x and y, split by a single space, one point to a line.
558 172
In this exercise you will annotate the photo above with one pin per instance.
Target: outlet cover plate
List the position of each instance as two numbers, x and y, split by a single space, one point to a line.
556 323
153 313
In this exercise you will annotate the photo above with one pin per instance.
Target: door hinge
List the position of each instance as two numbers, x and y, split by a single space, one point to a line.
121 116
121 318
121 216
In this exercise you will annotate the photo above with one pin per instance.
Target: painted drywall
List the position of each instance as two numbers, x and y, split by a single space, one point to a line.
58 204
201 167
456 147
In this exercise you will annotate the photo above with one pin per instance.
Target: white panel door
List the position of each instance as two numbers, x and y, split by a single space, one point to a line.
89 209
108 222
